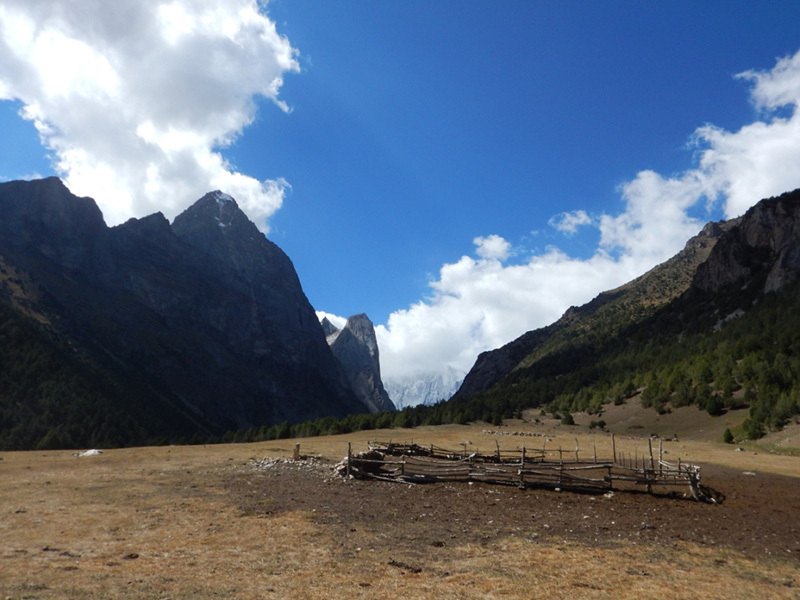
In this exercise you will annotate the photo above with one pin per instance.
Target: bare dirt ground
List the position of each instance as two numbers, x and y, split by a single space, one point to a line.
243 521
759 516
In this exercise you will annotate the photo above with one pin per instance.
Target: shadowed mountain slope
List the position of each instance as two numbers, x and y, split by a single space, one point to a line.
197 327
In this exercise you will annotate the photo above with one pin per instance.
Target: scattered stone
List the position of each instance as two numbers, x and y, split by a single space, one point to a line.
304 462
512 433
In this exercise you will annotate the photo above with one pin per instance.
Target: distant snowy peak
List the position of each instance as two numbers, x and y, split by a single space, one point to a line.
423 387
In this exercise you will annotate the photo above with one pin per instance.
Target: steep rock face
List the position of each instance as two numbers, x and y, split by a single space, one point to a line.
356 347
763 244
51 222
204 322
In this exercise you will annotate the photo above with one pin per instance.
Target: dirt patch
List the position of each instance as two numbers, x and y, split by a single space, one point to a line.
757 518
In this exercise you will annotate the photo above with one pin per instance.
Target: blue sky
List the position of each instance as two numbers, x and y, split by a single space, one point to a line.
418 126
419 161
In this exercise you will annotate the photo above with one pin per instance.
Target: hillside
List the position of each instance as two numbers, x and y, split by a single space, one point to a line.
603 317
713 327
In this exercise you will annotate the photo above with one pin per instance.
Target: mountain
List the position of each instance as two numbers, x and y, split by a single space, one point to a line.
608 313
714 326
191 328
423 388
356 348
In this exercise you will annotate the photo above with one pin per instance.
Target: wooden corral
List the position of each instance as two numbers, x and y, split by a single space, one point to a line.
542 468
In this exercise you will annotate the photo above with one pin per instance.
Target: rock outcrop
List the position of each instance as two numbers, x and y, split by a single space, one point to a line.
356 347
760 249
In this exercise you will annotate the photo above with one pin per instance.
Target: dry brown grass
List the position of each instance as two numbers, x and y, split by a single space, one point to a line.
158 523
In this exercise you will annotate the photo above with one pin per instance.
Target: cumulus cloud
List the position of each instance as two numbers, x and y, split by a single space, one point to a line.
481 303
492 247
568 222
134 98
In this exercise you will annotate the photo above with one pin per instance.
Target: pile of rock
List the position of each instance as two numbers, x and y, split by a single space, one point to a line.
514 433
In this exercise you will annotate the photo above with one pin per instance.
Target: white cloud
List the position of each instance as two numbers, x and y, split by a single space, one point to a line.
482 303
492 248
568 222
135 97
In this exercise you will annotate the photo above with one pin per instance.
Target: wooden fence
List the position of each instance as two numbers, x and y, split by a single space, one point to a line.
542 468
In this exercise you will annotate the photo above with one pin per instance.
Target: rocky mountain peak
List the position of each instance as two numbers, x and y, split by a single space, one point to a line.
217 226
329 329
213 216
363 330
356 347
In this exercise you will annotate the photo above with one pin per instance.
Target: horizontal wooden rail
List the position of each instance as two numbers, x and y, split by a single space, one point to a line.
551 468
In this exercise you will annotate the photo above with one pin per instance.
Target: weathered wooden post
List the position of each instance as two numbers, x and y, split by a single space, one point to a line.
349 459
614 448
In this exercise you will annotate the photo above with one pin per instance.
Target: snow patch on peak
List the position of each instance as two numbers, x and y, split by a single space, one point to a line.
222 197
